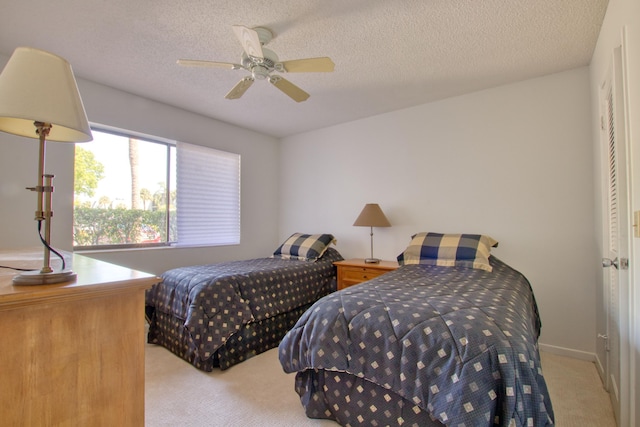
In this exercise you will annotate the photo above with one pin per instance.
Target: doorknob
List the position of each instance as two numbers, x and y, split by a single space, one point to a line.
622 263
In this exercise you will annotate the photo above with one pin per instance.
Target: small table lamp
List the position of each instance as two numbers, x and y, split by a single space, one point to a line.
372 216
39 99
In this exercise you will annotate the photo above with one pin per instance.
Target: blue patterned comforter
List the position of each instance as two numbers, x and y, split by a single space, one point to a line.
458 343
217 300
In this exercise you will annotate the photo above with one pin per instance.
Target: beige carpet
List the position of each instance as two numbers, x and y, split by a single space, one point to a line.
577 394
258 393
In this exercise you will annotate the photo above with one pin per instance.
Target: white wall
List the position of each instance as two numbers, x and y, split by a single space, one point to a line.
104 105
514 162
622 15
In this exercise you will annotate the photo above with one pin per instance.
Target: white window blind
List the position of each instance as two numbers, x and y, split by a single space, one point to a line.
208 196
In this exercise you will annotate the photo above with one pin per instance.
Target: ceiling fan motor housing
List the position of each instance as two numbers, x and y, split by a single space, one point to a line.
260 67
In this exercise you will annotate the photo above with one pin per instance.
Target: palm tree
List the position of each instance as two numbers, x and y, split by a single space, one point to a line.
104 202
160 197
133 162
145 195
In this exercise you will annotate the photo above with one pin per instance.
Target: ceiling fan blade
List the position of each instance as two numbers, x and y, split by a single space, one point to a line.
291 90
309 65
240 88
213 64
249 40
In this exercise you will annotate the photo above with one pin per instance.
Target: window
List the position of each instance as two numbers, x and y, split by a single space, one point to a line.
138 191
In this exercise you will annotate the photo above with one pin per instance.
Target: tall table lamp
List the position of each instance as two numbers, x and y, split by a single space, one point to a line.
372 216
39 99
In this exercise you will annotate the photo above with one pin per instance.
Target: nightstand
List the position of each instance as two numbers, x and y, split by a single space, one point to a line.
354 271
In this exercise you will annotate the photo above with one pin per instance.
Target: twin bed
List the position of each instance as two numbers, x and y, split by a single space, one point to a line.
449 338
218 315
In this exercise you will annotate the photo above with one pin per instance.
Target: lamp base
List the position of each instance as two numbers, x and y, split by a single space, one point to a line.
37 278
371 260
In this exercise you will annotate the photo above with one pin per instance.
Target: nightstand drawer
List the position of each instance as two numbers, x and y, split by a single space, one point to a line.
360 274
354 271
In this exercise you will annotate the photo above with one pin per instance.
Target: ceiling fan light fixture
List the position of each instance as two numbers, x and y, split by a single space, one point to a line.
259 72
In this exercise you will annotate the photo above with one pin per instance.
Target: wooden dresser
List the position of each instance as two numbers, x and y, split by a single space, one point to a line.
72 353
354 271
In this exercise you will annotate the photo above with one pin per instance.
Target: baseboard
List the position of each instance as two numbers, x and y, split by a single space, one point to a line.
568 352
599 367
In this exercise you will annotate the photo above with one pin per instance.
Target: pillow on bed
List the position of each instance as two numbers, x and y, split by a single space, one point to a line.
305 247
449 250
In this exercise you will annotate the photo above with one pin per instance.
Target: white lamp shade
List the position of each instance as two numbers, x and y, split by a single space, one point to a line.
38 86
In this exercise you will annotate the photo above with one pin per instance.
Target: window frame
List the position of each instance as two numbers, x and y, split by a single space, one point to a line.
169 144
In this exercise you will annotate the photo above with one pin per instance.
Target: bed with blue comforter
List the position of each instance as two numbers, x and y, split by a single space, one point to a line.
218 315
424 345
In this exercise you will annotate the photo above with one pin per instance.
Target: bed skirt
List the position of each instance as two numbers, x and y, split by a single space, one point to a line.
330 395
254 338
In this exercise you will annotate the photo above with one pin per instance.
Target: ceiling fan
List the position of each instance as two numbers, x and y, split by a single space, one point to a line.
262 62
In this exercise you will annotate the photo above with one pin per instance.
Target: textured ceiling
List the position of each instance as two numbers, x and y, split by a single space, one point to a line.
389 54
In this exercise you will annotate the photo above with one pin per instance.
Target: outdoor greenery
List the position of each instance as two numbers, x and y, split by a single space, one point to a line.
100 223
87 173
107 226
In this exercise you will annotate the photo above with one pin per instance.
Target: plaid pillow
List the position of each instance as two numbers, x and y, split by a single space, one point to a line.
305 247
449 250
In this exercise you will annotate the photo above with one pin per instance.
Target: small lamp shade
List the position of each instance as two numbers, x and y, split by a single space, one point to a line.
372 216
38 86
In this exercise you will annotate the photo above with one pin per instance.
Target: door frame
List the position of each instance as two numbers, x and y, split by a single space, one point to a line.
617 73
